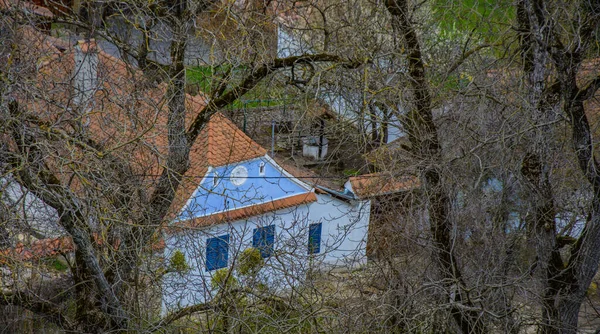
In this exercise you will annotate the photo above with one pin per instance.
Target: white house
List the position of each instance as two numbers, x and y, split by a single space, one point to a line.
245 199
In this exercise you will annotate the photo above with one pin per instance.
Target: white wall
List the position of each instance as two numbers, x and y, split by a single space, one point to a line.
343 243
29 213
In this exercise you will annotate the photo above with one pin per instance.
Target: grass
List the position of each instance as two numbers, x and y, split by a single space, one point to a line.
205 77
486 17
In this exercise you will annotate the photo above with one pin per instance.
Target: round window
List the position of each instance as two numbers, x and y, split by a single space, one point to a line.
238 175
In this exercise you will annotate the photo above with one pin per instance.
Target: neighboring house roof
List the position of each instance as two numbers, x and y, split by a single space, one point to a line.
377 184
126 114
393 157
26 7
37 250
51 247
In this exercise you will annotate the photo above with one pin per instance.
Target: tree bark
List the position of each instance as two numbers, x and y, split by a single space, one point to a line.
565 285
422 133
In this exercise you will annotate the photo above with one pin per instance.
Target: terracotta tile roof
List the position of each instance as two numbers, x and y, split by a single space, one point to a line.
37 250
377 184
27 7
47 248
224 143
126 116
243 213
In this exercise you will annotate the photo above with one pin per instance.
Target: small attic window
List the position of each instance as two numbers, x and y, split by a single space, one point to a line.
261 169
215 179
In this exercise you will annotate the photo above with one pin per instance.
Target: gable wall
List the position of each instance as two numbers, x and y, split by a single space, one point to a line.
226 195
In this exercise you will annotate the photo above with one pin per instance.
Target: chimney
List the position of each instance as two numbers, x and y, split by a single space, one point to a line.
86 71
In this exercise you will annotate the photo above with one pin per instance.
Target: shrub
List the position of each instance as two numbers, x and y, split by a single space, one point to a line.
177 262
250 262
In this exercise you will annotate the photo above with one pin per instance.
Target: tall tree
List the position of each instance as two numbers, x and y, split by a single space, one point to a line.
96 172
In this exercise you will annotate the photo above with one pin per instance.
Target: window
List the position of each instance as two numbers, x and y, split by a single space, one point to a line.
261 169
238 175
263 240
314 238
217 250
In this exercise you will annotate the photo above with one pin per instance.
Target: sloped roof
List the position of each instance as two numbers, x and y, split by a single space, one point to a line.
224 143
393 156
51 247
126 117
37 250
25 6
377 184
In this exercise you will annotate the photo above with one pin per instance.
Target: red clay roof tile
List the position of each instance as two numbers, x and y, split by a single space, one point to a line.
377 184
51 247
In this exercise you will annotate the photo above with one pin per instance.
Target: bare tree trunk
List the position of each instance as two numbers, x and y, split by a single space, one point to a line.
535 167
564 284
422 133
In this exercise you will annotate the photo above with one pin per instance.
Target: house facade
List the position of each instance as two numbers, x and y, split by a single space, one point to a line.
246 200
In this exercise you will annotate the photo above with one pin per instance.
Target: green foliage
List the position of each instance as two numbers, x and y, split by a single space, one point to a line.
255 101
57 265
177 262
250 262
206 77
203 76
486 17
223 278
592 290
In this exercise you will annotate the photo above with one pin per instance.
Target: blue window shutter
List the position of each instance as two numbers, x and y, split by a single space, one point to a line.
223 251
217 252
314 238
263 239
211 254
